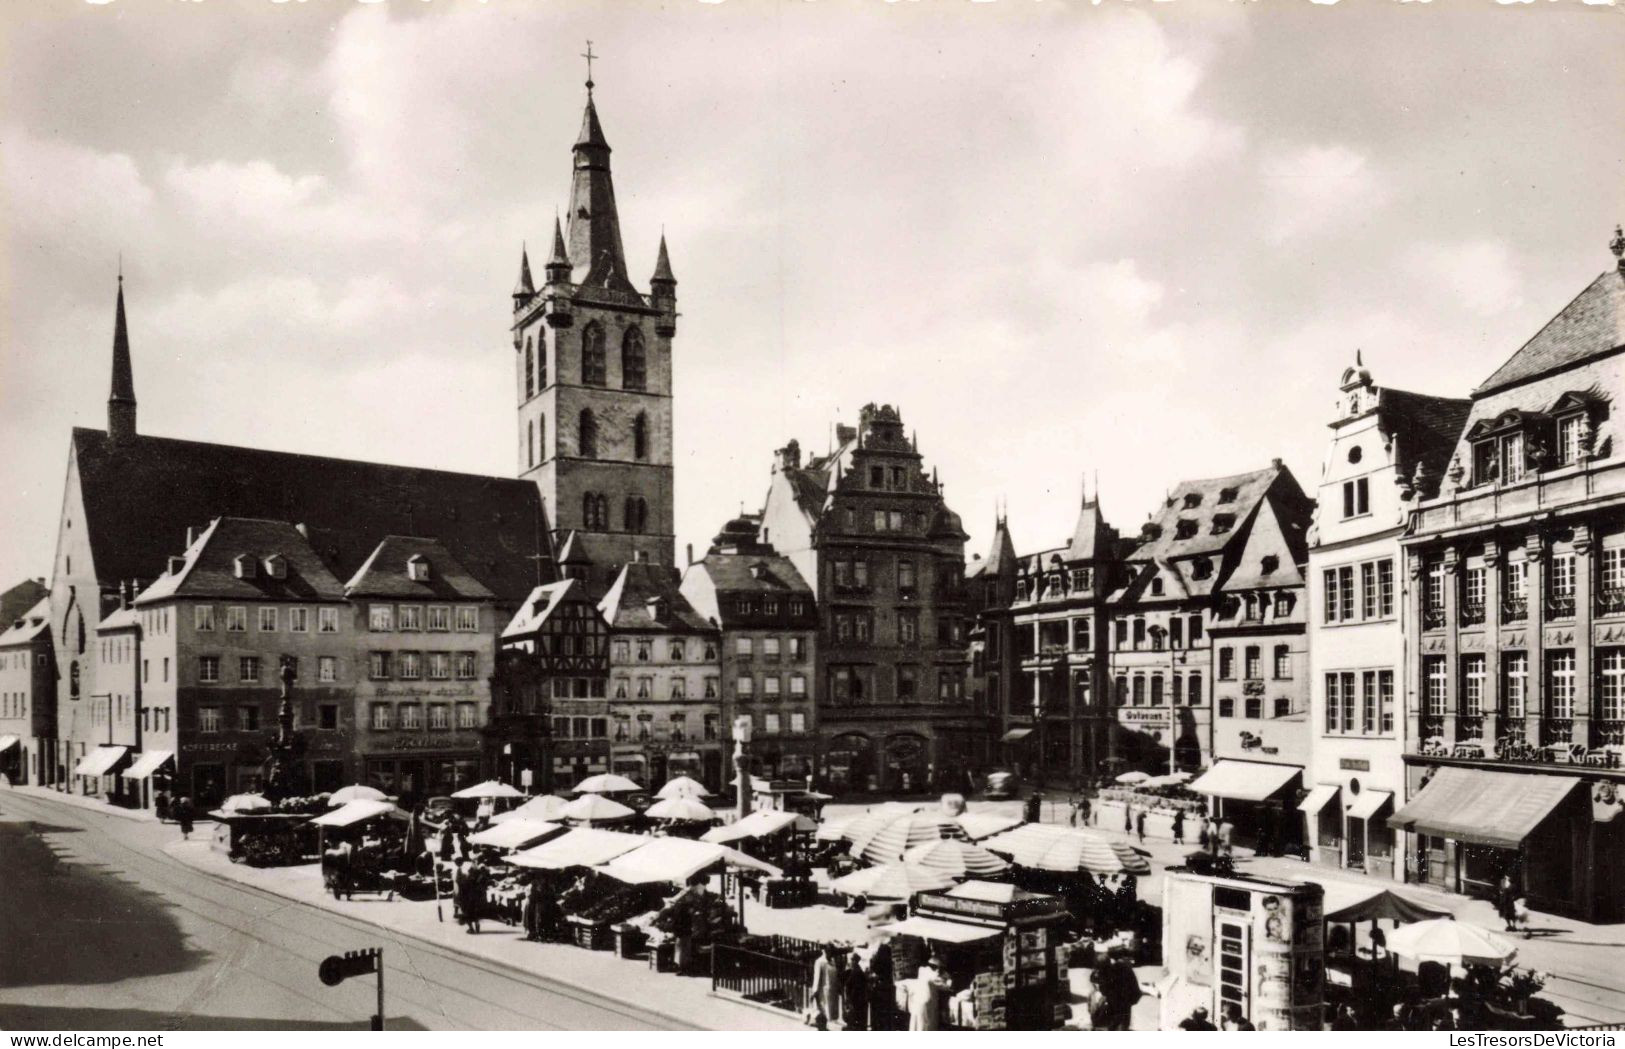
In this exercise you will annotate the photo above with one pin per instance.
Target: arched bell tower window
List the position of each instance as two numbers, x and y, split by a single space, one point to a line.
587 434
640 436
635 514
592 355
530 370
634 369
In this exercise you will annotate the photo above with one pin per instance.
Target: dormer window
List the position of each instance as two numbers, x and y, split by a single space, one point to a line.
1568 438
1227 495
243 566
1269 563
1222 523
276 566
1186 527
417 568
1201 568
1193 500
1156 586
657 608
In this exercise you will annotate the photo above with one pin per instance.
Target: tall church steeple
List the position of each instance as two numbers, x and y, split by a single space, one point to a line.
121 400
595 226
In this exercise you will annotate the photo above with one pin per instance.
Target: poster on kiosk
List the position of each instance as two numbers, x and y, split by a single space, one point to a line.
1253 943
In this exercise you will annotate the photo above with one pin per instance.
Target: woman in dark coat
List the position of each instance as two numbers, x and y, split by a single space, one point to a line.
855 995
533 910
183 816
473 895
882 989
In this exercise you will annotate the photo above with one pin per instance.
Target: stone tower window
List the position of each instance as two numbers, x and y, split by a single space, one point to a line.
634 371
592 355
587 434
640 436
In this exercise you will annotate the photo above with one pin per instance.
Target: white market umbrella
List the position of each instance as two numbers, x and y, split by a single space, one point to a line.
889 842
979 825
891 881
545 807
356 792
238 804
957 859
1045 847
489 789
683 787
689 810
593 808
607 783
1131 778
1451 942
832 830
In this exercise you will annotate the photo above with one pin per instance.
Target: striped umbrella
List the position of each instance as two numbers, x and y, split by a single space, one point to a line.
683 787
859 829
979 825
1041 846
902 833
891 881
955 858
832 830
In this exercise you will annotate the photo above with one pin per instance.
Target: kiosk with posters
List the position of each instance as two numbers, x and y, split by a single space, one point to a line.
997 943
1257 944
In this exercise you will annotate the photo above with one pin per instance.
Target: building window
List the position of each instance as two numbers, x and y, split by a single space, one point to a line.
439 666
1156 690
905 575
1368 703
770 648
1560 684
1512 458
327 716
770 725
1139 690
1227 707
1254 706
743 646
409 665
203 617
327 669
745 687
208 720
1475 586
1568 440
236 619
1612 693
1385 587
468 619
587 434
908 626
299 620
380 717
908 680
327 620
1433 595
439 716
439 617
1193 690
378 666
1436 683
381 617
592 355
1385 699
640 436
770 687
411 617
798 686
267 617
1472 686
679 688
1227 664
208 669
1356 498
411 716
248 668
530 369
1253 663
1560 603
1283 662
1139 633
467 666
1120 689
634 365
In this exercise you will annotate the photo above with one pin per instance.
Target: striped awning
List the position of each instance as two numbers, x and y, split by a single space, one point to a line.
1245 780
1482 807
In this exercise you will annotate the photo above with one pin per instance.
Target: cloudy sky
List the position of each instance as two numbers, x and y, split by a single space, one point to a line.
1133 239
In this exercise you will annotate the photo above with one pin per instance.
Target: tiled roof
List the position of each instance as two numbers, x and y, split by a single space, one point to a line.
386 574
1426 427
1003 553
19 599
28 625
142 495
1211 523
1593 324
123 619
1091 537
626 606
731 573
210 566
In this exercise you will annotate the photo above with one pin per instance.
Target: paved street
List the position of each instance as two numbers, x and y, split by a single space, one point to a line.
103 930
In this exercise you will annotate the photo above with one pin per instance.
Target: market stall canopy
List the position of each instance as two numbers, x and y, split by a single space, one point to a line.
355 792
489 789
1172 779
979 825
99 761
595 808
686 808
1450 942
759 824
1131 778
757 784
1481 807
1015 734
607 783
891 881
147 764
1319 796
1368 804
955 858
992 892
833 830
581 847
348 815
7 742
1351 902
516 834
544 807
683 787
676 860
942 931
1245 780
1042 846
241 804
895 837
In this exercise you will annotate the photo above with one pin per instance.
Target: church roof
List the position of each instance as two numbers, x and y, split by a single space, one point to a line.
595 225
142 494
627 605
1592 325
123 391
210 566
526 285
387 573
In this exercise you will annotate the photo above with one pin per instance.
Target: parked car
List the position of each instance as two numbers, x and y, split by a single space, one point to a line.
436 811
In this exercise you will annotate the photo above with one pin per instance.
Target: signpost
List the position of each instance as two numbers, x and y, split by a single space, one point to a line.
336 968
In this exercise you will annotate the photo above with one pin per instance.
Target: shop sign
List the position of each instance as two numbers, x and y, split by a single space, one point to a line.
1145 717
424 692
376 743
1354 764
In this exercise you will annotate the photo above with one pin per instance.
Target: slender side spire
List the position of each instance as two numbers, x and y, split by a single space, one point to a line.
557 270
663 273
121 400
526 287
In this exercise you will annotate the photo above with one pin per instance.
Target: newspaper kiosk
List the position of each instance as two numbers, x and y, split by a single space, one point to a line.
1253 942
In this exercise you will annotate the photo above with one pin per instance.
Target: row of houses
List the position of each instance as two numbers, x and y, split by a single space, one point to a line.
1417 670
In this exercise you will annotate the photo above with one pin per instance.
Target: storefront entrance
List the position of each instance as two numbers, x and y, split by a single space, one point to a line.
849 764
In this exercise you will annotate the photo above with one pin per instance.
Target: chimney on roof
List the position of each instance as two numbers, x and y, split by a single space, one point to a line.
175 565
417 568
788 457
758 569
1275 463
690 553
191 536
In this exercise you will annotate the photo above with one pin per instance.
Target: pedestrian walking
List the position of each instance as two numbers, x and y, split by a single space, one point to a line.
1234 1021
1128 819
1179 826
1086 811
882 990
1139 825
855 995
183 816
1227 832
823 989
1504 895
1520 917
1072 814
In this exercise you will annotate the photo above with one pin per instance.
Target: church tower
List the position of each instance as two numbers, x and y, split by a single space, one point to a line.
593 370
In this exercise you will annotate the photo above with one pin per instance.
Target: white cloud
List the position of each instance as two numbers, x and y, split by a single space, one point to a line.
1316 189
1482 274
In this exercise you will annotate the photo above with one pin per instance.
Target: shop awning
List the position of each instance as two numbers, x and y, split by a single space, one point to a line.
1015 734
1482 807
98 761
941 931
582 847
1320 795
758 824
676 860
1244 780
1368 804
351 813
148 763
1350 902
516 834
7 742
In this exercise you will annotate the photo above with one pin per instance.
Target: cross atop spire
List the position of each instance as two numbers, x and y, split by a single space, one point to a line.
589 56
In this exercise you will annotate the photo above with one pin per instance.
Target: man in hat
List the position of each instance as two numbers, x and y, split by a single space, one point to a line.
1197 1021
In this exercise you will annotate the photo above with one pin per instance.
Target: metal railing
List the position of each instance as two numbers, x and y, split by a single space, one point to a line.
1432 618
782 983
1514 609
1560 606
1472 613
1611 602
